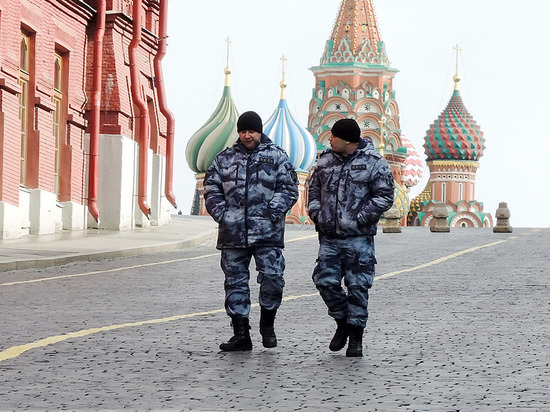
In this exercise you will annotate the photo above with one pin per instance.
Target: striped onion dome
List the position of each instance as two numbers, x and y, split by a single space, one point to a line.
219 132
286 133
412 174
454 135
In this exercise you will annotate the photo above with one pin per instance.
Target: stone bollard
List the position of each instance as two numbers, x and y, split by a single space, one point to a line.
392 221
440 215
503 219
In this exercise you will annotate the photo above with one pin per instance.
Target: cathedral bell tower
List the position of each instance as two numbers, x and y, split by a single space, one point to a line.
354 80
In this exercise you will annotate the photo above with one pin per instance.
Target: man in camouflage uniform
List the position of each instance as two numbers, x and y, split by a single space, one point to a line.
349 190
248 190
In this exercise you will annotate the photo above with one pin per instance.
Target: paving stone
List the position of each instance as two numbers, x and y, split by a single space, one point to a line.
469 333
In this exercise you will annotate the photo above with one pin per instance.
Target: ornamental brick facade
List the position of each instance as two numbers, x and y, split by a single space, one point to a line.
46 94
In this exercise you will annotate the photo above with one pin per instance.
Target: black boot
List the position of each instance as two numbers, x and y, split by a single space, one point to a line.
267 318
241 339
355 345
340 336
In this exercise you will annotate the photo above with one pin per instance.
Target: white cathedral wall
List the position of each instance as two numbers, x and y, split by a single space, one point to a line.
40 213
45 214
74 216
140 220
160 206
10 221
117 168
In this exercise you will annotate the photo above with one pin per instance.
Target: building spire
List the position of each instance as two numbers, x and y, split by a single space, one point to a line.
227 71
356 22
456 78
283 83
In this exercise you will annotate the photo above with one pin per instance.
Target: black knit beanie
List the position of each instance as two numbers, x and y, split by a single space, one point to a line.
250 121
347 129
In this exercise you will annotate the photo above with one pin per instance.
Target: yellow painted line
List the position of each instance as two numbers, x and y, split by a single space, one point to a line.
440 260
97 272
300 238
16 351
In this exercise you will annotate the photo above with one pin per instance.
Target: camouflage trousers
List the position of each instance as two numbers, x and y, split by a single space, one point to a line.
270 265
352 260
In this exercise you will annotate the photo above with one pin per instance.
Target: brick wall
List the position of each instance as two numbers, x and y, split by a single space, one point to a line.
68 27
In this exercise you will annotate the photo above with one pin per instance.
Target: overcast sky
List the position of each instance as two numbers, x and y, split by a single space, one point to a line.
504 67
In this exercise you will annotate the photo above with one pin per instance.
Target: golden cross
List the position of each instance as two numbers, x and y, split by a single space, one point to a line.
228 40
458 50
283 83
283 60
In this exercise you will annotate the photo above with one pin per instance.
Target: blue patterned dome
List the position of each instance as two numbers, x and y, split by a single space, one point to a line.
286 133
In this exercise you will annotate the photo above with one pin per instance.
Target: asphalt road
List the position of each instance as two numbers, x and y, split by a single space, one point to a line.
459 322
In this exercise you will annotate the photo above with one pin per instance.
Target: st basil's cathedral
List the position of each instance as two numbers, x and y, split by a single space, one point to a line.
354 79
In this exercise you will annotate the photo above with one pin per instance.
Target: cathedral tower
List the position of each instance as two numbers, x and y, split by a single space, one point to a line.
453 145
355 80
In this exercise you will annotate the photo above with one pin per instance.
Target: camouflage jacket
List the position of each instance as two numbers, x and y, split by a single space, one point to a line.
248 194
347 195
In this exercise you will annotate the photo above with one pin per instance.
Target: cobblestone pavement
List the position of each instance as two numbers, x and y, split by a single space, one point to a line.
459 322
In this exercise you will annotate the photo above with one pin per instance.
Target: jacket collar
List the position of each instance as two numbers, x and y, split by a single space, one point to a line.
364 146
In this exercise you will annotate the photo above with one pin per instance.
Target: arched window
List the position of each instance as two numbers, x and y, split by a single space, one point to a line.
24 80
24 53
57 72
57 99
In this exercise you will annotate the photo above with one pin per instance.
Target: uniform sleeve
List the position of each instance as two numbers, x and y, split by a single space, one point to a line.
314 196
286 190
214 197
382 188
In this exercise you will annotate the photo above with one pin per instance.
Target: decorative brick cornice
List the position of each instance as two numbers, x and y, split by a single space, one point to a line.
9 88
455 163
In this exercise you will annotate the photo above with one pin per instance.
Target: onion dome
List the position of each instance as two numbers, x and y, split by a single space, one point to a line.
286 133
454 135
401 200
219 132
412 174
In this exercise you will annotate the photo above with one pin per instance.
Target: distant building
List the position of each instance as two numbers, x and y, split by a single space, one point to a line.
453 145
220 131
85 135
355 80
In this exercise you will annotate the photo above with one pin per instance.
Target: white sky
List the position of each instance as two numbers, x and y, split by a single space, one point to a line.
504 67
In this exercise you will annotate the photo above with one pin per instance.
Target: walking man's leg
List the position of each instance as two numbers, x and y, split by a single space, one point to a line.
270 264
327 277
235 265
359 276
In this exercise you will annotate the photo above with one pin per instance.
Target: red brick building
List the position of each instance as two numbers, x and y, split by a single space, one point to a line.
86 138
